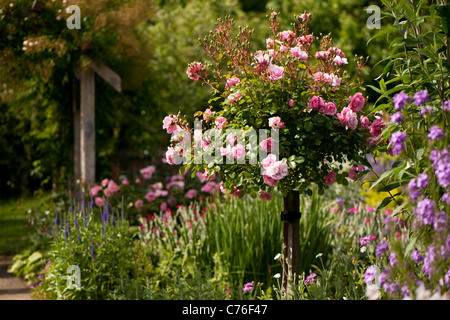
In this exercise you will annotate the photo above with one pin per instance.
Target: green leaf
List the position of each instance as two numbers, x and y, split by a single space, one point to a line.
384 203
383 32
383 176
389 187
410 246
444 13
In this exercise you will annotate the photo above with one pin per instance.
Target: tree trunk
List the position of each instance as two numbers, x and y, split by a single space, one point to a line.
291 240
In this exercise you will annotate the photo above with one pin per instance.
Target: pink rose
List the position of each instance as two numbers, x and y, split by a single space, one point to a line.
262 59
207 114
277 170
329 108
221 122
275 123
316 103
364 122
352 173
269 160
169 124
99 201
234 97
304 16
351 120
357 102
104 182
265 195
268 180
291 103
194 70
330 178
95 190
232 81
377 127
226 152
206 175
231 139
150 196
163 206
111 189
299 53
139 203
267 145
147 172
191 194
222 189
238 151
275 72
340 61
170 155
286 35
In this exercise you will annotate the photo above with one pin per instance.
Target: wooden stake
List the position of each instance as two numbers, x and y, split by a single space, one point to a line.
291 239
87 126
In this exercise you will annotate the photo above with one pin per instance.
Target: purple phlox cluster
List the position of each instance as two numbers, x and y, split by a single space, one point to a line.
384 281
415 255
441 165
446 105
426 110
393 259
400 99
429 261
398 140
440 222
311 278
413 191
421 97
248 286
446 198
425 212
397 118
370 274
436 133
382 248
422 181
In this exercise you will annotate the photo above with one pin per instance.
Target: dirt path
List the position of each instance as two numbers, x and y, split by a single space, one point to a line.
11 287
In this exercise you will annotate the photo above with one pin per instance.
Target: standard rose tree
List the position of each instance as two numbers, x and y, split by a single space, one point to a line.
316 119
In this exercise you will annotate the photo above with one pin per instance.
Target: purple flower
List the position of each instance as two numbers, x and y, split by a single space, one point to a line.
429 261
415 255
382 248
405 292
370 274
400 99
393 259
446 198
393 287
426 110
414 193
436 133
397 139
446 105
310 278
364 240
397 118
422 180
248 286
447 278
425 211
441 166
440 222
421 97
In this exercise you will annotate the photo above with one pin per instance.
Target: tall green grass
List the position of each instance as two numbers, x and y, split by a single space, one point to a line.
237 240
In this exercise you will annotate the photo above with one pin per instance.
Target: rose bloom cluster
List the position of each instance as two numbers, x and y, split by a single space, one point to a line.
286 65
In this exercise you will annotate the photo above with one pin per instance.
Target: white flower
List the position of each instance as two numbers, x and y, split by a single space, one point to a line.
319 255
47 212
277 276
363 249
277 256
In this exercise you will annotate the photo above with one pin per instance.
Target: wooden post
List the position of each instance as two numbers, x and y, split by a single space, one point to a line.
84 119
291 238
76 143
87 126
